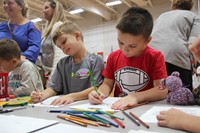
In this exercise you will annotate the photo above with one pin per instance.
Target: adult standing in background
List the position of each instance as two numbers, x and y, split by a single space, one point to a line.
50 53
172 33
21 29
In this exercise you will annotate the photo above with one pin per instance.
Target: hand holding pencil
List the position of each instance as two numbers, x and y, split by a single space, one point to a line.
36 96
95 97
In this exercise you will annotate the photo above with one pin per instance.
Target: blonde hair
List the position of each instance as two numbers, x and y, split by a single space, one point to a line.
67 27
58 15
23 5
183 4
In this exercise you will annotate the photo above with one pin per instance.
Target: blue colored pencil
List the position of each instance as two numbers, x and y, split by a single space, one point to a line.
109 122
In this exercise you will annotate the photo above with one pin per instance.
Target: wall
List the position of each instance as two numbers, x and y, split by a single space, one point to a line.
101 36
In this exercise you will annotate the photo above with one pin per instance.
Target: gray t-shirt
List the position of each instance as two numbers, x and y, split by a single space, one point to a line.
20 79
172 32
69 77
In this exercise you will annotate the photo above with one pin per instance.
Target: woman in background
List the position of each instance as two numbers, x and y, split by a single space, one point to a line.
50 53
172 32
21 29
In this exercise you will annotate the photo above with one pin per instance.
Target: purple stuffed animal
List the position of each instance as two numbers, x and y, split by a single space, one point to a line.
177 93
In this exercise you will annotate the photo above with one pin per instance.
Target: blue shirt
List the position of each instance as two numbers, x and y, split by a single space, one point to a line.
27 36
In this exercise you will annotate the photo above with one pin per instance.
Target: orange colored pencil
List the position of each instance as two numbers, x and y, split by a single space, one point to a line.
93 123
70 120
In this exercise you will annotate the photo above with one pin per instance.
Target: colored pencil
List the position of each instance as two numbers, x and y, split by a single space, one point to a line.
109 122
132 119
89 122
142 122
94 83
111 115
73 121
104 125
95 118
118 122
71 111
81 116
136 105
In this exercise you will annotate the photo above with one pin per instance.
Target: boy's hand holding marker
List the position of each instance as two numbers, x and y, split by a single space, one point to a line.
96 95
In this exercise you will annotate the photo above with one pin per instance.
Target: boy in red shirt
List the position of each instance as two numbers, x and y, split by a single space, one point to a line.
136 68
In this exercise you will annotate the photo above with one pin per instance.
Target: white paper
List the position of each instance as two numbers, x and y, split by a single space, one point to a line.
64 128
47 103
18 124
141 131
105 106
150 115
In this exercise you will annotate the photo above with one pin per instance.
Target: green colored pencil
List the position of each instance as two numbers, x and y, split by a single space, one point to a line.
94 83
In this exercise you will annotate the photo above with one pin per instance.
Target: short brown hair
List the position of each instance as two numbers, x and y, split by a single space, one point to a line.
67 27
9 49
182 4
136 21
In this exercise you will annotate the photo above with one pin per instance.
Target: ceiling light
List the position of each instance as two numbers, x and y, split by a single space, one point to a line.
36 20
113 3
76 11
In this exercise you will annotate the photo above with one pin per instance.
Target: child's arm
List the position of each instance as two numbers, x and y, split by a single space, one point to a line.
105 89
177 119
72 97
150 95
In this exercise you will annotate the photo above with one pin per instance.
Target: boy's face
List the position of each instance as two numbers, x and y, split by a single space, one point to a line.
68 43
131 46
7 66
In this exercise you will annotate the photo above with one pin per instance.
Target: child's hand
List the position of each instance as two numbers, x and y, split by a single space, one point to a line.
95 98
63 100
36 96
125 102
171 118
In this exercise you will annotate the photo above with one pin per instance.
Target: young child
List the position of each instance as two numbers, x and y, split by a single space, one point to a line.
136 68
72 74
175 118
23 75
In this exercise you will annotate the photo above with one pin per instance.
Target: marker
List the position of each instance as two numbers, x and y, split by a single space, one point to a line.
4 99
11 109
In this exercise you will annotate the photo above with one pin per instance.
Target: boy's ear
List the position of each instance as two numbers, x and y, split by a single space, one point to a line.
14 61
78 35
148 40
